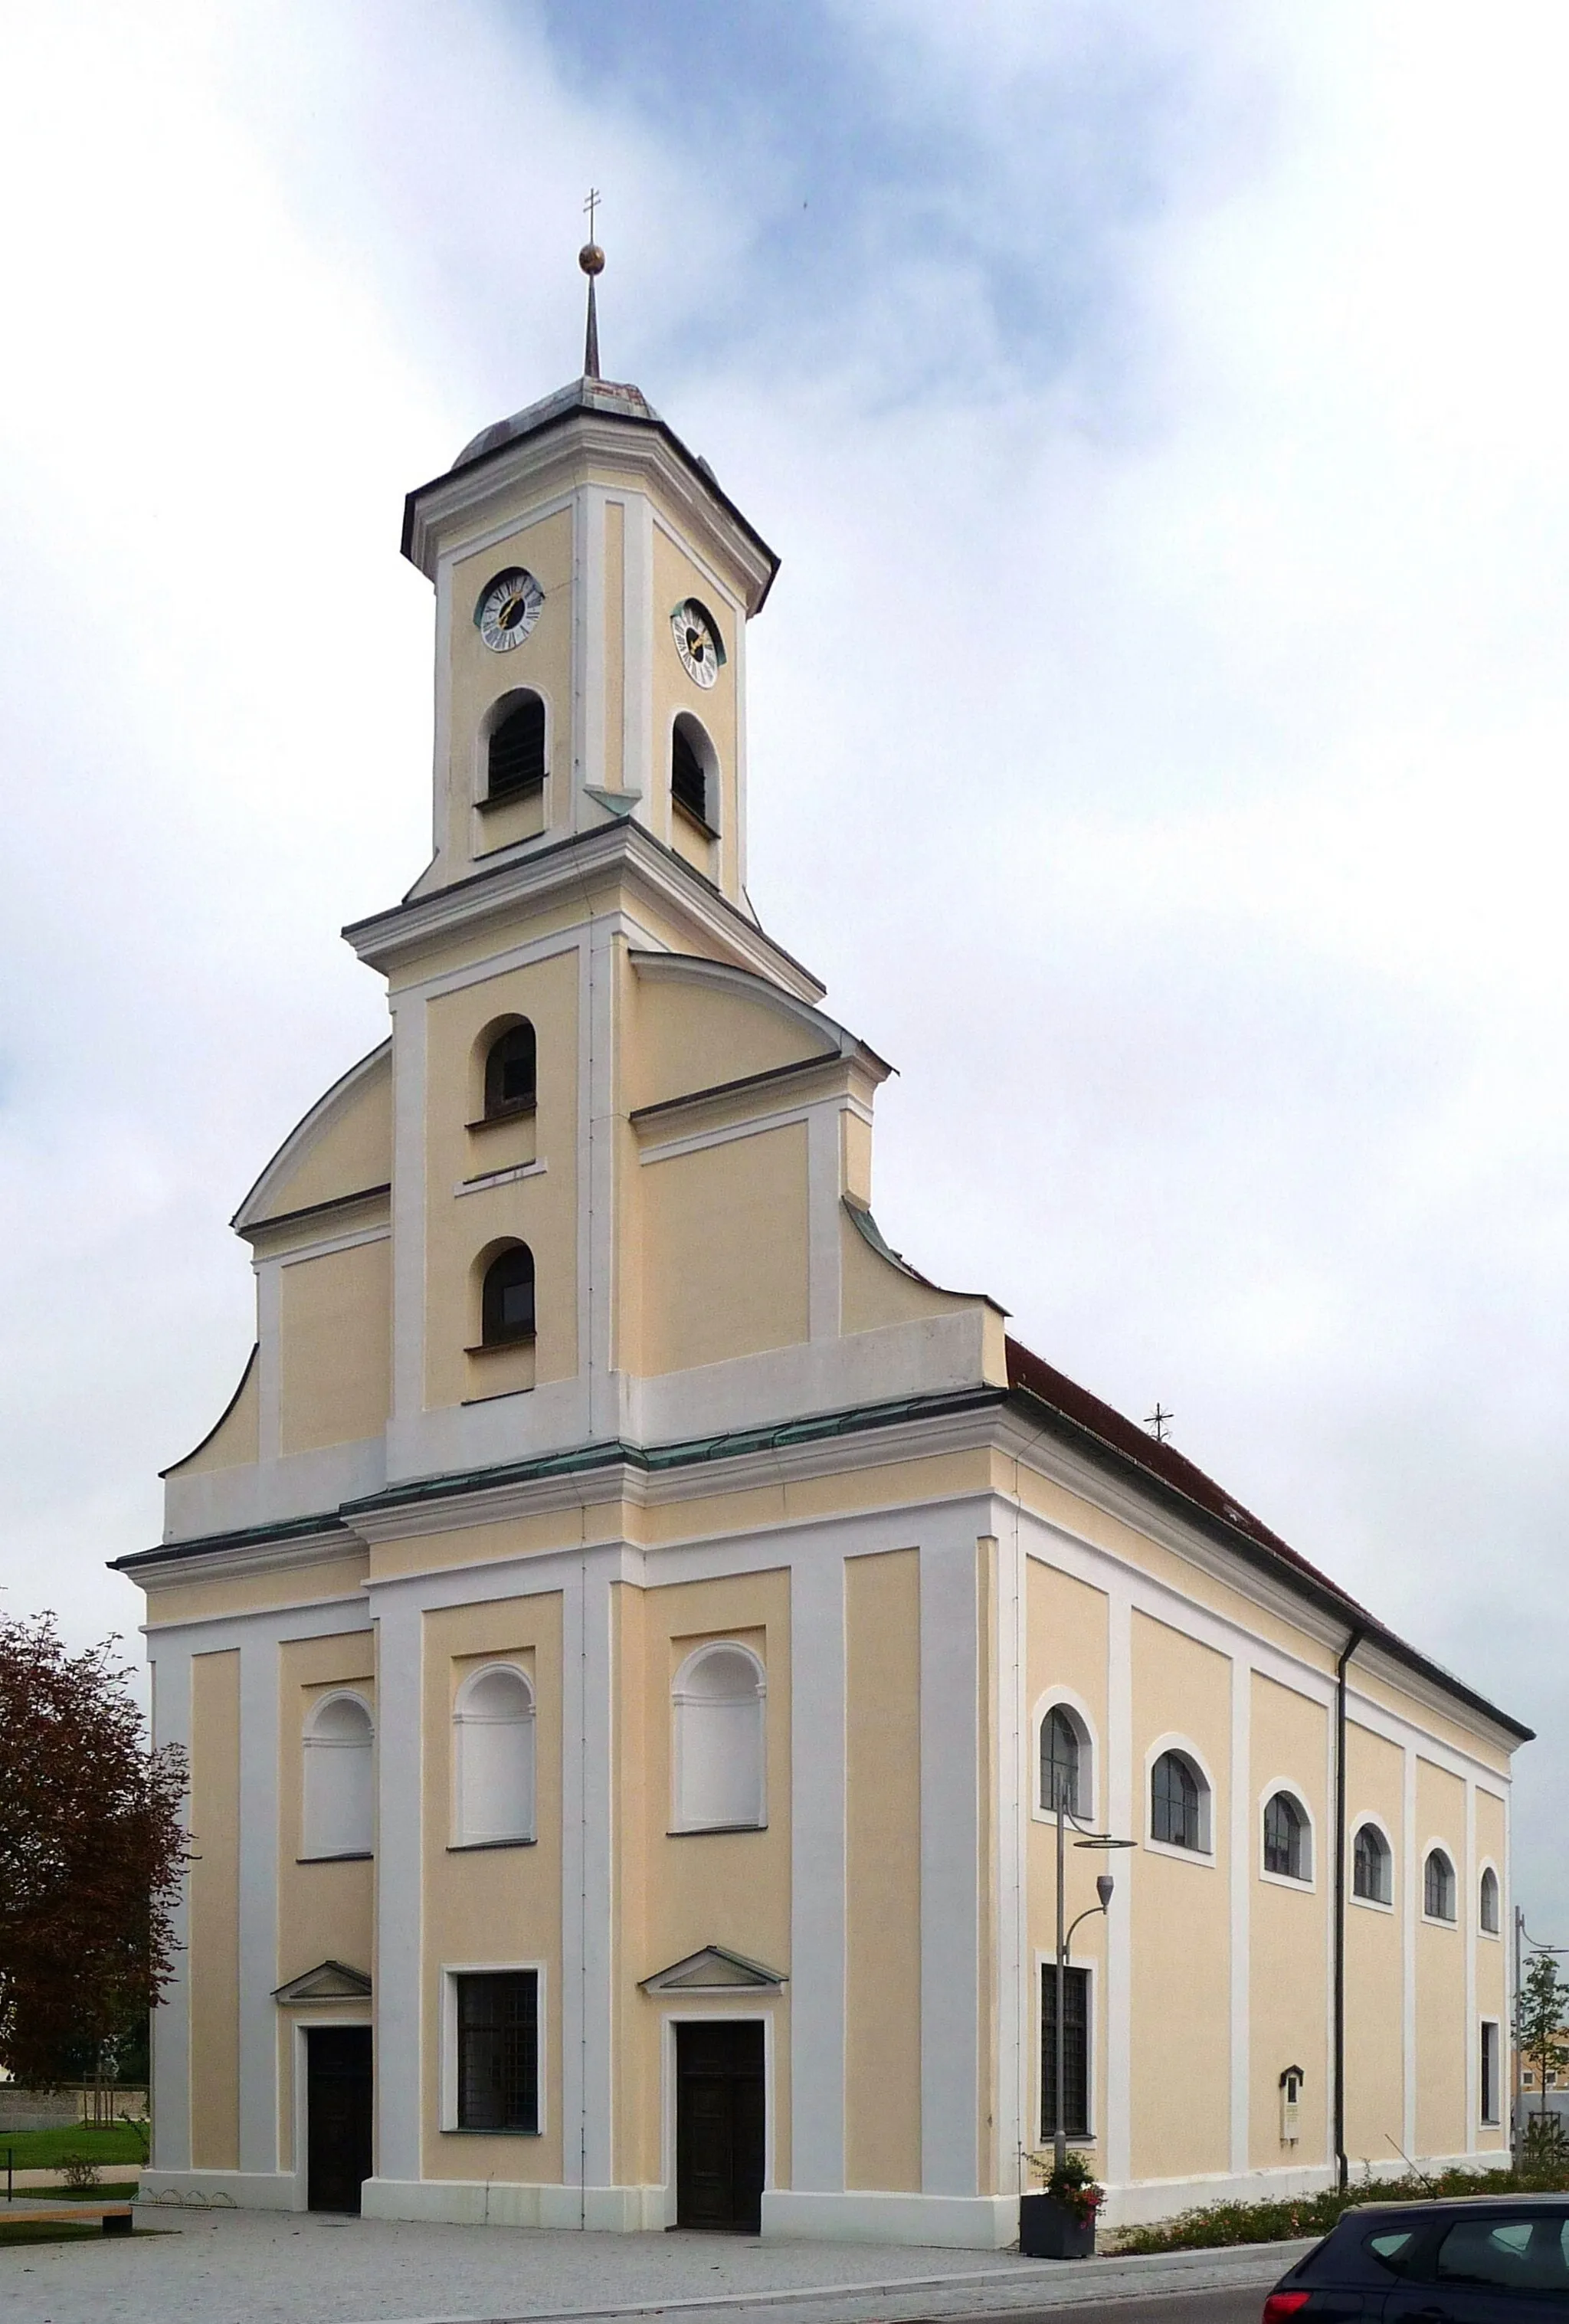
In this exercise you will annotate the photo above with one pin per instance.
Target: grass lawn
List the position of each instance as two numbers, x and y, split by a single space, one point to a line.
45 2150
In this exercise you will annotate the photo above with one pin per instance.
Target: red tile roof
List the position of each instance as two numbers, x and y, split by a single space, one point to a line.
1029 1376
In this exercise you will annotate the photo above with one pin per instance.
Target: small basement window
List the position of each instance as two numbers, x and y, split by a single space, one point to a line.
515 756
507 1299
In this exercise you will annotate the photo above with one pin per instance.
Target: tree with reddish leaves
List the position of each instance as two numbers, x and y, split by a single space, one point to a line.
91 1852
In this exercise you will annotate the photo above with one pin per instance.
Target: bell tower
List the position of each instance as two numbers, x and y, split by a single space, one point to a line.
593 587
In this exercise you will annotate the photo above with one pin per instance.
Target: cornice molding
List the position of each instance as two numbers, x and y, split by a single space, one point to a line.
224 1559
386 937
557 457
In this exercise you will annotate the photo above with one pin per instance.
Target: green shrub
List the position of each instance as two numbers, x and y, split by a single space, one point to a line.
1279 2220
78 2171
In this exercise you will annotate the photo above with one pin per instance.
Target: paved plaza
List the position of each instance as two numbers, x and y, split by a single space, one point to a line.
187 2266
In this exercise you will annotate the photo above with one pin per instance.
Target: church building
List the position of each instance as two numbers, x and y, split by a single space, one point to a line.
632 1632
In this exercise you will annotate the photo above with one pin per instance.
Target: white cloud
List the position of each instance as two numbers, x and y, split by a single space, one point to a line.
1183 707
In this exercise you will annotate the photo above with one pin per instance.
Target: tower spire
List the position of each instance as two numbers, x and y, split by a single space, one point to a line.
591 259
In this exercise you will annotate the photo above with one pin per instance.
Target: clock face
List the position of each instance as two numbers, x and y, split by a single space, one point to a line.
696 642
508 609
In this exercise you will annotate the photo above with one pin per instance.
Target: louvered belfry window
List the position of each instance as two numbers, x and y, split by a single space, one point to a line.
498 2051
688 783
517 750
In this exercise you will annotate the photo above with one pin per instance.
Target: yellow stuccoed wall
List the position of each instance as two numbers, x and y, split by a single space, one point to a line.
326 1910
882 1870
1289 1929
235 1443
1493 1954
479 678
1181 1921
541 1211
1067 1648
725 1241
680 1892
676 576
1375 2097
336 1332
349 1154
215 1899
492 1907
1443 2035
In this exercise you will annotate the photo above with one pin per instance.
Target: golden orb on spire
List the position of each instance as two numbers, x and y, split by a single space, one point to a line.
591 258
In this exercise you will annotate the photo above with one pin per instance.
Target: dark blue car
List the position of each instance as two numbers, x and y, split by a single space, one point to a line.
1493 2259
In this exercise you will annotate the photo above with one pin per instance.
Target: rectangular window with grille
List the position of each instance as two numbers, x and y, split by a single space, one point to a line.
1075 2051
498 2049
1490 2070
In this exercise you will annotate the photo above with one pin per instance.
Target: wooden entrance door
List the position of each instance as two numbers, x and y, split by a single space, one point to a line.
337 2115
719 2125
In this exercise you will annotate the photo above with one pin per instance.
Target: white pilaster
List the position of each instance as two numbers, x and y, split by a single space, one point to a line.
1015 2015
949 1855
258 1902
1242 1847
596 1234
410 1014
824 1250
588 1891
269 1358
1467 1902
1125 1812
400 1890
172 2019
817 1871
1410 1905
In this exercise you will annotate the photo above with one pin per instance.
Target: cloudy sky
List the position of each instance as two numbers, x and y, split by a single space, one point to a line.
1159 727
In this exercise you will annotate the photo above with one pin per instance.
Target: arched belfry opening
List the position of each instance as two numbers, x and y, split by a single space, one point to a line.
694 773
515 761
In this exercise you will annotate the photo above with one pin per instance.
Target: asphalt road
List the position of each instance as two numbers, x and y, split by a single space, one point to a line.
1243 2306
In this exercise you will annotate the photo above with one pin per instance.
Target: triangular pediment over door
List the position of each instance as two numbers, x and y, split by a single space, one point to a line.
330 1981
715 1970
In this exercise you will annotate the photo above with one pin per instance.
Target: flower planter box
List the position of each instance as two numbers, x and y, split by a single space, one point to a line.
1048 2230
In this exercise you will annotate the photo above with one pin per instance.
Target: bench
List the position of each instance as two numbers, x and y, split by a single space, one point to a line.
114 2216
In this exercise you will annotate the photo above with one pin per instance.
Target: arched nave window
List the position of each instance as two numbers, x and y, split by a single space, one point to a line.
494 1742
1372 1866
339 1798
510 1072
1438 1887
719 1741
1287 1840
1179 1803
1487 1902
1065 1761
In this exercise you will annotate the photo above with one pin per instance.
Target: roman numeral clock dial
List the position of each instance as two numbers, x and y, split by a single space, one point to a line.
510 605
696 641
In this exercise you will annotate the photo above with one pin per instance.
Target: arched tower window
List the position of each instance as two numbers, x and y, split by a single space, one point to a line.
1065 1762
694 772
507 1298
1179 1803
510 1072
515 750
1287 1848
494 1738
1371 1876
719 1740
339 1805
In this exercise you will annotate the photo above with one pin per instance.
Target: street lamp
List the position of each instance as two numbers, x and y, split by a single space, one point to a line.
1104 1885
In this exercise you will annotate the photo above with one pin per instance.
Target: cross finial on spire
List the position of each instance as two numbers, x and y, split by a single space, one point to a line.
591 259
